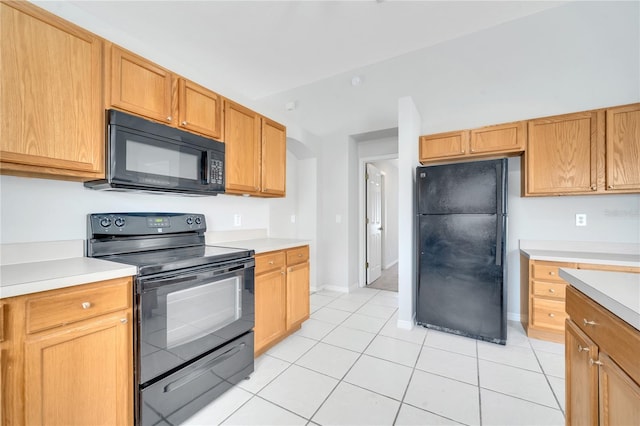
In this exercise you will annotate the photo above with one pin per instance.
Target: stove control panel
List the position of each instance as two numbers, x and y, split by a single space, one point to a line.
144 223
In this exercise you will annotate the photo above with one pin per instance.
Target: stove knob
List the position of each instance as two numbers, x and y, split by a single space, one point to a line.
105 222
189 220
119 222
198 221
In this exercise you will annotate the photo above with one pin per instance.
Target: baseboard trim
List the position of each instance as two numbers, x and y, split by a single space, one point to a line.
405 325
337 288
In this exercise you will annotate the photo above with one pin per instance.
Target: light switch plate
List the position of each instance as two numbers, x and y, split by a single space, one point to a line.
581 219
237 220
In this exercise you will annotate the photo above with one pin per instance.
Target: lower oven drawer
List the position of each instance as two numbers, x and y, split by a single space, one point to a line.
178 396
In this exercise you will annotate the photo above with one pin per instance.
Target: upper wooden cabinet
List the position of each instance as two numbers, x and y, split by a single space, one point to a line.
274 158
502 139
51 102
591 152
199 109
139 86
255 152
623 149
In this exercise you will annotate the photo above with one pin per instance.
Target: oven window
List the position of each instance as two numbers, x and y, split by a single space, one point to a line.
147 158
195 312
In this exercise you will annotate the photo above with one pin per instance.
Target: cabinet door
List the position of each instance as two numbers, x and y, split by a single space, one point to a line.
297 294
619 395
274 158
270 308
51 105
623 148
444 145
81 375
561 156
242 149
138 86
504 138
199 109
581 377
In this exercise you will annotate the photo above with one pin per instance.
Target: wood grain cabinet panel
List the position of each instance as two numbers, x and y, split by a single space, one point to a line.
561 155
256 150
242 149
282 295
138 86
443 145
484 142
51 102
270 305
199 109
602 369
70 368
623 149
274 158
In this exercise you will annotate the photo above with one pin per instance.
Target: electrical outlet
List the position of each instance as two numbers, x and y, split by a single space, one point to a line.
237 220
581 219
293 218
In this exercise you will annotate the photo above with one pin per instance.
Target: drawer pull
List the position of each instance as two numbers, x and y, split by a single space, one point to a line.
597 362
123 320
86 305
271 262
582 349
589 322
552 315
299 254
552 273
551 290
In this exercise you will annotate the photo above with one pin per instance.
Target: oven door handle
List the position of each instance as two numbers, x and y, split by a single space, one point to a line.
204 369
200 274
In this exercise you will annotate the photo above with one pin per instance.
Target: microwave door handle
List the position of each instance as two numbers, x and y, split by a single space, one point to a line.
207 167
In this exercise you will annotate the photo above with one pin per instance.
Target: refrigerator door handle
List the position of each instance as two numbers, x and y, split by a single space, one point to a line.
499 222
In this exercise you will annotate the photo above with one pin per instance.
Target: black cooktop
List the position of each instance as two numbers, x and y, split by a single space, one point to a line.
158 261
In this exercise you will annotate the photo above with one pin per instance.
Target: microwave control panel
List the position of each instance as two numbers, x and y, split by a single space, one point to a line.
217 171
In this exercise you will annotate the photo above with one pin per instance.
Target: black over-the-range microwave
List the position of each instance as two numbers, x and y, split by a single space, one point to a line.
142 155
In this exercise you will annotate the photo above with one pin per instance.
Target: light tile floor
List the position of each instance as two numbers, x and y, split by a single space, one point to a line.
351 365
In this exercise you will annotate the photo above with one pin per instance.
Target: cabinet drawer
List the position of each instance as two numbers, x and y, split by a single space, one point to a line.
548 313
548 271
297 255
554 290
61 307
269 261
610 333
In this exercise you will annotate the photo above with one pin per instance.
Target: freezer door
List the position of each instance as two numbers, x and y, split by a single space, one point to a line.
460 283
473 188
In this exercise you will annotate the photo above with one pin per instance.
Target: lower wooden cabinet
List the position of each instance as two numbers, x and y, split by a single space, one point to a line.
542 296
602 369
281 295
67 356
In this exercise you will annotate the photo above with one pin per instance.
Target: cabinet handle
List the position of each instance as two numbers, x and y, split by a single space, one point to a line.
123 320
552 273
552 315
584 320
299 254
86 305
551 290
597 362
282 273
582 349
169 118
271 262
593 187
184 123
610 186
462 152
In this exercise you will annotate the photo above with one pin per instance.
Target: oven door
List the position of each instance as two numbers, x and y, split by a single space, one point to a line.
182 316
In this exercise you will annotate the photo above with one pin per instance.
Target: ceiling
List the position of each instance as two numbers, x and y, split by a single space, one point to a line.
261 48
295 60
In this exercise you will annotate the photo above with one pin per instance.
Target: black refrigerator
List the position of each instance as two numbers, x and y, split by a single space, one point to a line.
462 219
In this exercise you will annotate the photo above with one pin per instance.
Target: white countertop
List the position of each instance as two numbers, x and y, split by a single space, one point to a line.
264 245
619 292
618 254
31 277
